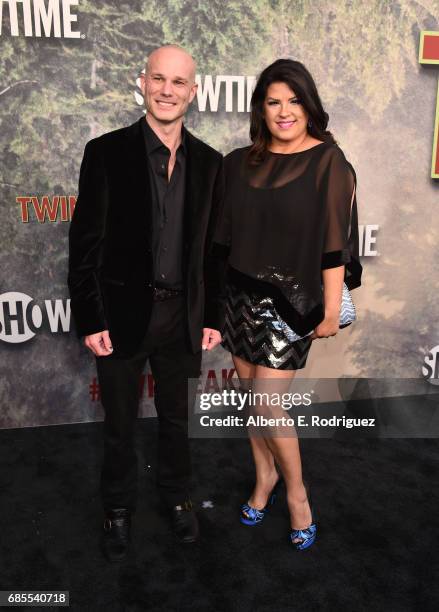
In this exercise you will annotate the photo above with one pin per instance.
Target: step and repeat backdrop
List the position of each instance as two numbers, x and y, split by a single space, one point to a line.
69 72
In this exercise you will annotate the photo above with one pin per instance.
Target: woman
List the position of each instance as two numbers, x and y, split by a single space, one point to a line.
290 231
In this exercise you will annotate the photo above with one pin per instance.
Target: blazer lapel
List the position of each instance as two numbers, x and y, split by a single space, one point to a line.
195 178
137 168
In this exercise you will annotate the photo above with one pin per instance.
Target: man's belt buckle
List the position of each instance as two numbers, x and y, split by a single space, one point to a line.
162 293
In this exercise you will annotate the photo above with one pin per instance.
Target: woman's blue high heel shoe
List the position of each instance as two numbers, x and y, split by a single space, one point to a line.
252 516
306 537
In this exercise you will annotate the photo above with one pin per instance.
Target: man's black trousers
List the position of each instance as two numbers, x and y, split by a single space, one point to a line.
166 345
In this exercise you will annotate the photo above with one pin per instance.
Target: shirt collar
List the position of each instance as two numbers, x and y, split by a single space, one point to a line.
153 142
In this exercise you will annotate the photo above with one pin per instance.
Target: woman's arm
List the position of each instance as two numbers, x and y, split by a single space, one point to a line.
332 293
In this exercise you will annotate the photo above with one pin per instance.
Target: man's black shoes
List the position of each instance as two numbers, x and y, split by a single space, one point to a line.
117 529
116 534
185 523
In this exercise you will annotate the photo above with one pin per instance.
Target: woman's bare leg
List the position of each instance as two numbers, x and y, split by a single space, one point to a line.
267 451
266 473
285 450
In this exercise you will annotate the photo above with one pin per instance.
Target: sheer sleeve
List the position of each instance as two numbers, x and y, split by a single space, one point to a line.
222 237
223 232
341 242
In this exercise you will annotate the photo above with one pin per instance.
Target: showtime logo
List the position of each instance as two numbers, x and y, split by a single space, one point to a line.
236 90
367 239
20 319
49 18
430 370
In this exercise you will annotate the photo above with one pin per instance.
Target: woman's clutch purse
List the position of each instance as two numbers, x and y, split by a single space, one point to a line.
347 316
347 310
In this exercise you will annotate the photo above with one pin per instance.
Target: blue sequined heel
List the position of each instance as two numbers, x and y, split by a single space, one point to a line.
305 536
252 516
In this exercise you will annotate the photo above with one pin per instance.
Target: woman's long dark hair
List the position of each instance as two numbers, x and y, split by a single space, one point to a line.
296 76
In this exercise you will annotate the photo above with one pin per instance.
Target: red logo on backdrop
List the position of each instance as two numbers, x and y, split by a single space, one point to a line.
429 54
46 208
210 382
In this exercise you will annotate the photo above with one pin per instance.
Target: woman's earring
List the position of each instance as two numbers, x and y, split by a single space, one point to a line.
309 123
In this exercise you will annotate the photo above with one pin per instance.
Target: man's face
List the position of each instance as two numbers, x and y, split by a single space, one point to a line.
168 85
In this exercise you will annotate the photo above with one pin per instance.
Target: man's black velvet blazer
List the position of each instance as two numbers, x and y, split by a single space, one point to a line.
110 260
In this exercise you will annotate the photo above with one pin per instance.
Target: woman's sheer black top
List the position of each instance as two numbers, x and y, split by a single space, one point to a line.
286 219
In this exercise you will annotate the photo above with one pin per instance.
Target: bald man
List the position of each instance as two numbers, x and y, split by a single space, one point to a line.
143 285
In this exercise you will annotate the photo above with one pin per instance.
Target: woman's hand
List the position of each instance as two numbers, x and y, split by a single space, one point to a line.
328 327
332 292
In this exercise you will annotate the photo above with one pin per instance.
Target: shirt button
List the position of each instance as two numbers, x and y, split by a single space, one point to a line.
163 166
162 275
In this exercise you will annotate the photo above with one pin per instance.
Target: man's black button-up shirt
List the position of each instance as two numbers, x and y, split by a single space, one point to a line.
167 208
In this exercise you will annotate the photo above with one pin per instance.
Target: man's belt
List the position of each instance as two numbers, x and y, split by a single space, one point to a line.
162 293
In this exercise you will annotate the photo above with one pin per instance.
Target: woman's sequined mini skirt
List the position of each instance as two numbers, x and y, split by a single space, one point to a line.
254 331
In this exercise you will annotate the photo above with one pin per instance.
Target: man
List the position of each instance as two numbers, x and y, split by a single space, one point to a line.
142 284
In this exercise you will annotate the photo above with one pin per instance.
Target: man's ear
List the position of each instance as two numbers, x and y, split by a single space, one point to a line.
193 91
142 77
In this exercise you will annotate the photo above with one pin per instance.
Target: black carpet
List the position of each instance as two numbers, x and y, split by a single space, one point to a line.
377 548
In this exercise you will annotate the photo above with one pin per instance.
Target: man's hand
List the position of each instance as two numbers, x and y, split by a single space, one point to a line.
99 344
211 338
